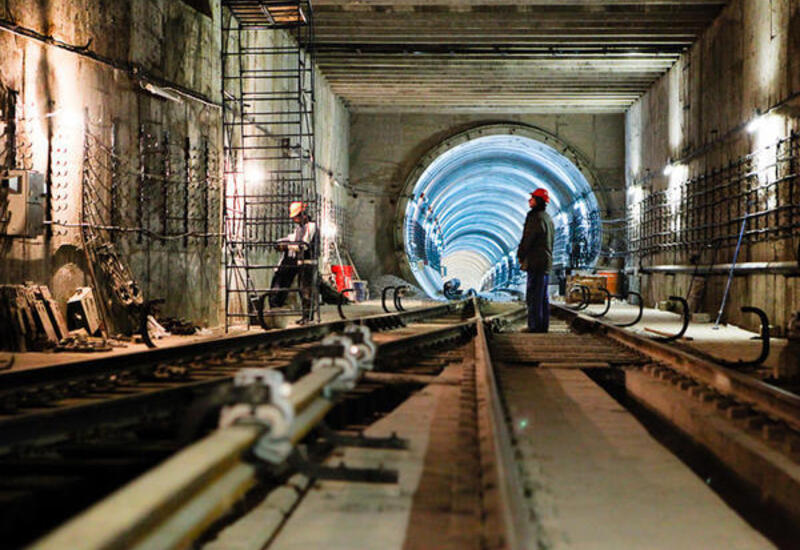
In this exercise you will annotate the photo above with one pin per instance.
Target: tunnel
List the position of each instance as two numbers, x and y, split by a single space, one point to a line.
465 212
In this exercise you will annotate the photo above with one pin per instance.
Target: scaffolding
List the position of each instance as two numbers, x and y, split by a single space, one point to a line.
268 126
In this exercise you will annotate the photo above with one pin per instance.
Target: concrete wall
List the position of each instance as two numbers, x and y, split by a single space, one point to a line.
162 41
698 114
385 148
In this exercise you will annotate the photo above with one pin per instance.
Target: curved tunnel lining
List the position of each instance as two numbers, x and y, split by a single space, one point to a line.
465 215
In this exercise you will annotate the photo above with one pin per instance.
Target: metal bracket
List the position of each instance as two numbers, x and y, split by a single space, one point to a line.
360 440
346 359
342 472
399 291
342 299
276 413
686 317
383 297
641 311
608 304
764 342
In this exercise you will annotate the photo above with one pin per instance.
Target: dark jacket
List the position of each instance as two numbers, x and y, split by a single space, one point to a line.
535 252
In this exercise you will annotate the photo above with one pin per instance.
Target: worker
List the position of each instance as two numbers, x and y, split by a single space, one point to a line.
299 259
535 255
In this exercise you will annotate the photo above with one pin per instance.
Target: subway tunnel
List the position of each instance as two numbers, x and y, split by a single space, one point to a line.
466 211
230 232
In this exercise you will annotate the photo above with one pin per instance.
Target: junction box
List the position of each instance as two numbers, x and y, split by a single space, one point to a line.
22 201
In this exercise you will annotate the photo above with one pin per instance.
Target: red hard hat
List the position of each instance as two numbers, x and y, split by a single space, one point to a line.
542 194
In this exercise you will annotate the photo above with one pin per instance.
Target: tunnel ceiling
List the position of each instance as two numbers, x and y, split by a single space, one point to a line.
499 55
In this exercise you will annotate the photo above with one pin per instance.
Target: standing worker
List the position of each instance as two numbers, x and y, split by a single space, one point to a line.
299 258
535 255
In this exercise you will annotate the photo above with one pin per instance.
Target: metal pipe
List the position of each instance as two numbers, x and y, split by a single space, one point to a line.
309 418
129 514
779 268
730 274
311 385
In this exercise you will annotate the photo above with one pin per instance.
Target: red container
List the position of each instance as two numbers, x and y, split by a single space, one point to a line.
344 278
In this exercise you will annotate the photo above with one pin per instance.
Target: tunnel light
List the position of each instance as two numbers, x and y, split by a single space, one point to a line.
162 93
757 122
253 173
329 230
71 118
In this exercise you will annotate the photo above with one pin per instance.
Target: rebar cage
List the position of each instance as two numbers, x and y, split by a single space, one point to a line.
268 126
707 210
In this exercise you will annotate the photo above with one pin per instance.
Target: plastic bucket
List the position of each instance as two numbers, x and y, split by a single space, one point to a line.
344 278
362 292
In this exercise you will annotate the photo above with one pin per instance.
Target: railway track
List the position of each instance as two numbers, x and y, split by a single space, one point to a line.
70 434
468 488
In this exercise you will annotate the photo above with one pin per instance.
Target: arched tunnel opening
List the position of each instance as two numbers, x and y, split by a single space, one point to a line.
464 218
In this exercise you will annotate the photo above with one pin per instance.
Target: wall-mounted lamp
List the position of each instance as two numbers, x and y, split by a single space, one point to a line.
756 122
67 117
329 231
669 168
161 92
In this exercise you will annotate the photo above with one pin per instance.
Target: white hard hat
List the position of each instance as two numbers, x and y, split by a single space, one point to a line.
296 208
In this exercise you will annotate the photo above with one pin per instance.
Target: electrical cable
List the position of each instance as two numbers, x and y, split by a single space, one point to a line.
134 71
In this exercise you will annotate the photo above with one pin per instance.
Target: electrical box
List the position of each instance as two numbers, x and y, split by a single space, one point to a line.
82 311
23 215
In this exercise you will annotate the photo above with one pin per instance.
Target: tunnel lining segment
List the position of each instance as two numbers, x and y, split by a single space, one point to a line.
541 159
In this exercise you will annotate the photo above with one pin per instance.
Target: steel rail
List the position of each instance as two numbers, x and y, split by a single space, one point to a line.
771 400
45 425
503 482
429 338
176 355
498 321
171 505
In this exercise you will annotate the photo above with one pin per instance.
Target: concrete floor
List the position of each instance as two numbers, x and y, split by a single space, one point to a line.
727 342
598 480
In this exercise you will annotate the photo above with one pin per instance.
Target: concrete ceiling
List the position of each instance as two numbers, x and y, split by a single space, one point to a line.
502 56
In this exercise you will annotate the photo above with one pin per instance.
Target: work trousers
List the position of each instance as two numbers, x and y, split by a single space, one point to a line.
287 271
538 303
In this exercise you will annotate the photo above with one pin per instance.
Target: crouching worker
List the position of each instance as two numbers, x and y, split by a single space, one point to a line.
535 255
299 259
